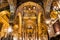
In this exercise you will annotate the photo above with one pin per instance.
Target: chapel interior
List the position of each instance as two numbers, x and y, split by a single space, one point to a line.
29 19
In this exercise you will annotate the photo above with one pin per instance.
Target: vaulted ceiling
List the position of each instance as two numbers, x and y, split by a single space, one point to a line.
22 1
